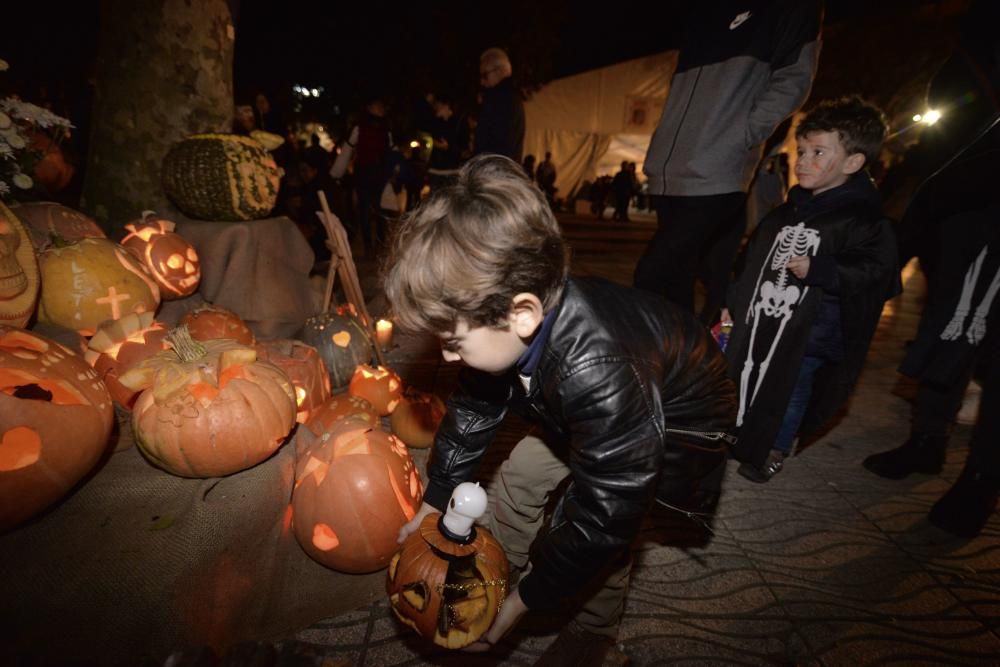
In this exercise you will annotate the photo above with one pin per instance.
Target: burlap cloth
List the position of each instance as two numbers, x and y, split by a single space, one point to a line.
138 563
258 269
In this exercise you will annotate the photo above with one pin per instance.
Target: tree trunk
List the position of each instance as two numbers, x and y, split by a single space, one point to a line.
164 71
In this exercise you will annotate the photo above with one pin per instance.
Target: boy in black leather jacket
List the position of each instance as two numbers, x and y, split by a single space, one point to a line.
631 394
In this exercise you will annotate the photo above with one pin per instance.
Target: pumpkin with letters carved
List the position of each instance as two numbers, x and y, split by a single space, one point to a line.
55 420
355 487
209 409
170 259
344 343
90 281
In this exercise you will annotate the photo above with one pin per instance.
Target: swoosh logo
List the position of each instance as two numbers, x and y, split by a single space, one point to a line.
739 20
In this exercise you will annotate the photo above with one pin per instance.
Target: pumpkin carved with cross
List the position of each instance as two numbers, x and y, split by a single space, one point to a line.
55 419
170 259
90 281
355 487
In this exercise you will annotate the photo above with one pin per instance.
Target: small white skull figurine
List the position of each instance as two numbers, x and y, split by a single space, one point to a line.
468 503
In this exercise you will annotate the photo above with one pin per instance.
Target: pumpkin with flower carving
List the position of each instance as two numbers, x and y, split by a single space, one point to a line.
55 420
209 409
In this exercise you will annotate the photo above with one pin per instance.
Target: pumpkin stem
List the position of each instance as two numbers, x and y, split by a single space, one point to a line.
185 347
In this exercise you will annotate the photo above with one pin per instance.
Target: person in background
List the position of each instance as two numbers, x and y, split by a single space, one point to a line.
743 68
500 126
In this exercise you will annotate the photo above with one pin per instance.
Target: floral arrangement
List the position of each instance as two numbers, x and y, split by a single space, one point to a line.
18 121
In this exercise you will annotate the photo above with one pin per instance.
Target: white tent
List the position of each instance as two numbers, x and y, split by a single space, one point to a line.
591 122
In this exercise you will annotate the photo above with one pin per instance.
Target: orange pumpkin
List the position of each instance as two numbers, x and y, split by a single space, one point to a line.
355 487
90 281
19 279
120 344
416 419
340 407
209 409
449 592
171 260
379 386
55 419
304 368
48 222
211 322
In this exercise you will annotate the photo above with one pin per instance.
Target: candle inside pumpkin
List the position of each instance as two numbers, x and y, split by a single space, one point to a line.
383 334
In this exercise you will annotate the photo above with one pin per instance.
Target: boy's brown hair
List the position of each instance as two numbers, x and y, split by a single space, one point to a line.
860 125
471 247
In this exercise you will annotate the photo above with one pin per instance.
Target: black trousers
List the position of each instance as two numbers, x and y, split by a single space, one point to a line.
694 236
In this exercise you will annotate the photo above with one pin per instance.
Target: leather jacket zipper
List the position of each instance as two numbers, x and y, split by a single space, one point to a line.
706 435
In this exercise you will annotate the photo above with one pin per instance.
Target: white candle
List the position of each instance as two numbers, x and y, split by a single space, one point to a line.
383 334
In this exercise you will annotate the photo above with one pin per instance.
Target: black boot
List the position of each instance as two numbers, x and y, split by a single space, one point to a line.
921 453
967 506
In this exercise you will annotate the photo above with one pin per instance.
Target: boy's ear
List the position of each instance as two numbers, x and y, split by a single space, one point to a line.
854 163
526 313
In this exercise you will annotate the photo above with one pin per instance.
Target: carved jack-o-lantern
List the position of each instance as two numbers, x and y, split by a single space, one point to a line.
171 260
211 322
120 344
209 409
341 407
379 386
19 279
449 579
416 419
55 419
304 368
343 341
90 281
48 222
355 487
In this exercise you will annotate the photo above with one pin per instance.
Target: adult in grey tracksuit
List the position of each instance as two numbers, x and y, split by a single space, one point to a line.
744 67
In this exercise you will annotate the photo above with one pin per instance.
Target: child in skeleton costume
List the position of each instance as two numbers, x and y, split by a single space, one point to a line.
817 271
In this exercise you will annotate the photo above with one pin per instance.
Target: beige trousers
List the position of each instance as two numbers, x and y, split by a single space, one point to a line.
525 484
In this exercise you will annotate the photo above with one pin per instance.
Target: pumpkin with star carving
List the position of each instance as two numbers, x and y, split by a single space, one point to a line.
55 420
355 487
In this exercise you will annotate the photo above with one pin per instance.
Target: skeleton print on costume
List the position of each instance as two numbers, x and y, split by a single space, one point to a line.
977 327
774 298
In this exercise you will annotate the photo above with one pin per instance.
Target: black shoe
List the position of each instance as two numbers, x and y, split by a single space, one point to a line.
967 506
921 453
775 463
576 647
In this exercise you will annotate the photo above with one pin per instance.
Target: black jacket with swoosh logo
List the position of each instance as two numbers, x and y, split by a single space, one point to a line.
636 390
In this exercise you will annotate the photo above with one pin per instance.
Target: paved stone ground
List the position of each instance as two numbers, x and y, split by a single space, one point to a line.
824 565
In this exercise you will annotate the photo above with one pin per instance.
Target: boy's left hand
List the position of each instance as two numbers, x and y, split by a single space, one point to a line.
799 266
511 612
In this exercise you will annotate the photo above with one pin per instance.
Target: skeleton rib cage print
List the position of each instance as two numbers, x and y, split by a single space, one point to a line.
774 301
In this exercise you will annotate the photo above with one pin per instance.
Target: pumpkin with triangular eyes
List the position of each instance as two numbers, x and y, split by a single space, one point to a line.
55 420
120 344
170 259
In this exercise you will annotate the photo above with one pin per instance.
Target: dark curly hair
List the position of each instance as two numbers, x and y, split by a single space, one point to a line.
860 125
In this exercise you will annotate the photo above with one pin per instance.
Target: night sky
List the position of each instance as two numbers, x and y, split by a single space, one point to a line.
402 50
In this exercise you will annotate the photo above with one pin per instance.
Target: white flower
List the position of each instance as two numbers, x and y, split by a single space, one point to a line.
3 65
23 181
16 141
4 121
32 113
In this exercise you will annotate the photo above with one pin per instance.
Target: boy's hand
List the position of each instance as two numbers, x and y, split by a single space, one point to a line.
799 266
511 612
415 522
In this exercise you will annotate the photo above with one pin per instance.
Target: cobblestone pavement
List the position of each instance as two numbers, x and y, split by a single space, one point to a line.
824 565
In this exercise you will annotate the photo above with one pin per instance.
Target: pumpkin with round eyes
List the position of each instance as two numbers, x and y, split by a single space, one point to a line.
19 278
171 260
55 420
355 487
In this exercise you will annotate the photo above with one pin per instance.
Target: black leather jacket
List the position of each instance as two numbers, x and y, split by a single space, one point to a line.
637 391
